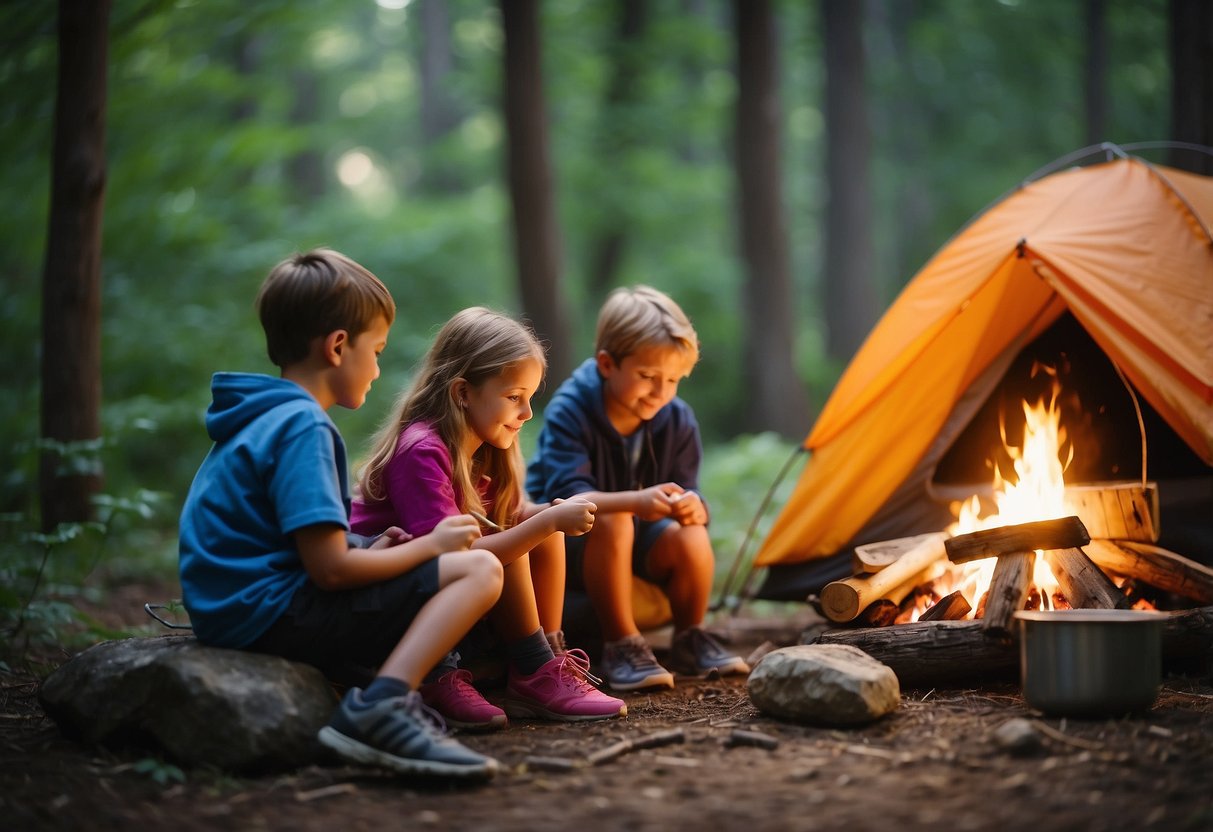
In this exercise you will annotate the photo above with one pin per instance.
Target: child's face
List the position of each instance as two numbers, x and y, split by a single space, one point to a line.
497 409
641 384
360 364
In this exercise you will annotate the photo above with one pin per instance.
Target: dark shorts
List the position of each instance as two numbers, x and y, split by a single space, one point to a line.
646 535
347 634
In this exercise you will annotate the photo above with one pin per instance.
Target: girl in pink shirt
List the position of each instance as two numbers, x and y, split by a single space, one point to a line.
451 448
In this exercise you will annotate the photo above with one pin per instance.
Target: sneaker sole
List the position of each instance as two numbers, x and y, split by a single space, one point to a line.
359 752
520 709
731 669
495 724
656 680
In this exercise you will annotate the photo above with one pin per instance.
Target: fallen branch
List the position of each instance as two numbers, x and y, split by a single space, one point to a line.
754 738
654 740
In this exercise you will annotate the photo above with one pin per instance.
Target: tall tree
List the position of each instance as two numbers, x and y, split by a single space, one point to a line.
71 279
850 297
439 113
1191 36
775 399
616 135
536 238
1095 70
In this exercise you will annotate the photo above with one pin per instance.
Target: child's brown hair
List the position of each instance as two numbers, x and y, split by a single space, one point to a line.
311 294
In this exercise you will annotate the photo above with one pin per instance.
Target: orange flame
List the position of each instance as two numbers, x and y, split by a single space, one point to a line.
1036 491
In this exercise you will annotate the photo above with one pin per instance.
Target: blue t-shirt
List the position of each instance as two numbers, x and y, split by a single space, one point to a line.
277 466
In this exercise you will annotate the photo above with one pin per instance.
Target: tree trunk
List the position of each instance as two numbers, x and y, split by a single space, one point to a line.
616 135
1095 70
851 305
536 239
775 399
305 169
71 280
439 114
1191 24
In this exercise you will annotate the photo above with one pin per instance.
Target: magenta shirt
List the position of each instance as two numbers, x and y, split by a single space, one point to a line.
418 485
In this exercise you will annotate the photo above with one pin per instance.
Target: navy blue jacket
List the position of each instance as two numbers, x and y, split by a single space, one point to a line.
579 450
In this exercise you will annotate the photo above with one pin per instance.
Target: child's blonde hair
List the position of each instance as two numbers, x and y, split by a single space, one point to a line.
640 316
476 345
311 294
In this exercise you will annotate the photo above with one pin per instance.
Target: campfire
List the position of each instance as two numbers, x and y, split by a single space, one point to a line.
1035 542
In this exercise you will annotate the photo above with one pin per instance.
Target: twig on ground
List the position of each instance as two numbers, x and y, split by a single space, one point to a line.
654 740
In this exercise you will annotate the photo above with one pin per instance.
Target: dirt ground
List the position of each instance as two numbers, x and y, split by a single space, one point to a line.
932 764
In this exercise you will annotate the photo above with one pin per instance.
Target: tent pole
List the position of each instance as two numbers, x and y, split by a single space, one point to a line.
726 599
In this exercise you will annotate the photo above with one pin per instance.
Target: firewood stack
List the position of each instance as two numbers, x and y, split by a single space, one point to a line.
1113 531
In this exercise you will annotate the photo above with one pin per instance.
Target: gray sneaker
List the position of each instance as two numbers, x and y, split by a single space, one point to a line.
629 664
402 734
695 652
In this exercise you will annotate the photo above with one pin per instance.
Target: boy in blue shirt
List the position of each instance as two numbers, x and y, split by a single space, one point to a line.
265 561
616 433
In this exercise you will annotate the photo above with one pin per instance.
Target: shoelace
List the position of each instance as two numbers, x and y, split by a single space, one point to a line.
461 684
576 664
637 654
426 717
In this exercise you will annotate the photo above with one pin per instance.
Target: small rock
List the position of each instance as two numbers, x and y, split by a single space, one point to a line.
834 684
1018 736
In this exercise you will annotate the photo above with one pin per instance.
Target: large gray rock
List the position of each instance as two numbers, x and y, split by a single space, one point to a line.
241 712
831 684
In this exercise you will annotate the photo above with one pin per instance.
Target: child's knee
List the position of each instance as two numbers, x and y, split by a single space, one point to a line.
487 568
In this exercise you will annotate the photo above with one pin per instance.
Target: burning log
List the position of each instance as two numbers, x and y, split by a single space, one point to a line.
880 613
844 600
1082 582
1155 566
1117 511
949 608
926 654
1060 533
1008 591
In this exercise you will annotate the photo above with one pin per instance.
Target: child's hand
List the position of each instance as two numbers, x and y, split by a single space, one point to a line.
456 532
574 516
654 502
393 536
688 509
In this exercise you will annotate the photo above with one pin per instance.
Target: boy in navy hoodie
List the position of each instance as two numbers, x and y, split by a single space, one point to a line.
265 561
616 433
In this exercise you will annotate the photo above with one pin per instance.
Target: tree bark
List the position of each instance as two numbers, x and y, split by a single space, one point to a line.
616 135
776 398
1095 70
851 304
71 280
536 239
1191 41
439 113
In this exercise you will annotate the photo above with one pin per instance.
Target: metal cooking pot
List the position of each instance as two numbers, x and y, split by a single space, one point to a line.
1090 663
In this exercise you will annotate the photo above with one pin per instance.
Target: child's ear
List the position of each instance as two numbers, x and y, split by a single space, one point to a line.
605 363
333 344
459 392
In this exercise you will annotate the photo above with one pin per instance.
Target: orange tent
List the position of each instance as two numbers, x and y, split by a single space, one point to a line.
1124 246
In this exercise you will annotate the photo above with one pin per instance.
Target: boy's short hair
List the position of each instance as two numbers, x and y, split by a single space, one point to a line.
636 317
311 294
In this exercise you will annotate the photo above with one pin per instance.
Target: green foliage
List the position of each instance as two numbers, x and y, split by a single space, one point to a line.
208 119
158 770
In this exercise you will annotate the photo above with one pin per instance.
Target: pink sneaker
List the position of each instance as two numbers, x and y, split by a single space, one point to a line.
561 690
460 704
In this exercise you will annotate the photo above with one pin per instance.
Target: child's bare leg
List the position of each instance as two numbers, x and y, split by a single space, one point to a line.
681 560
547 575
608 574
515 614
469 583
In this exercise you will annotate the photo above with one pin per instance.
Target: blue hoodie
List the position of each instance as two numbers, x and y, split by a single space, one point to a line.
579 449
278 464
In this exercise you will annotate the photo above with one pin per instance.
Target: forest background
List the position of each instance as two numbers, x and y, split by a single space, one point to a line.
781 168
